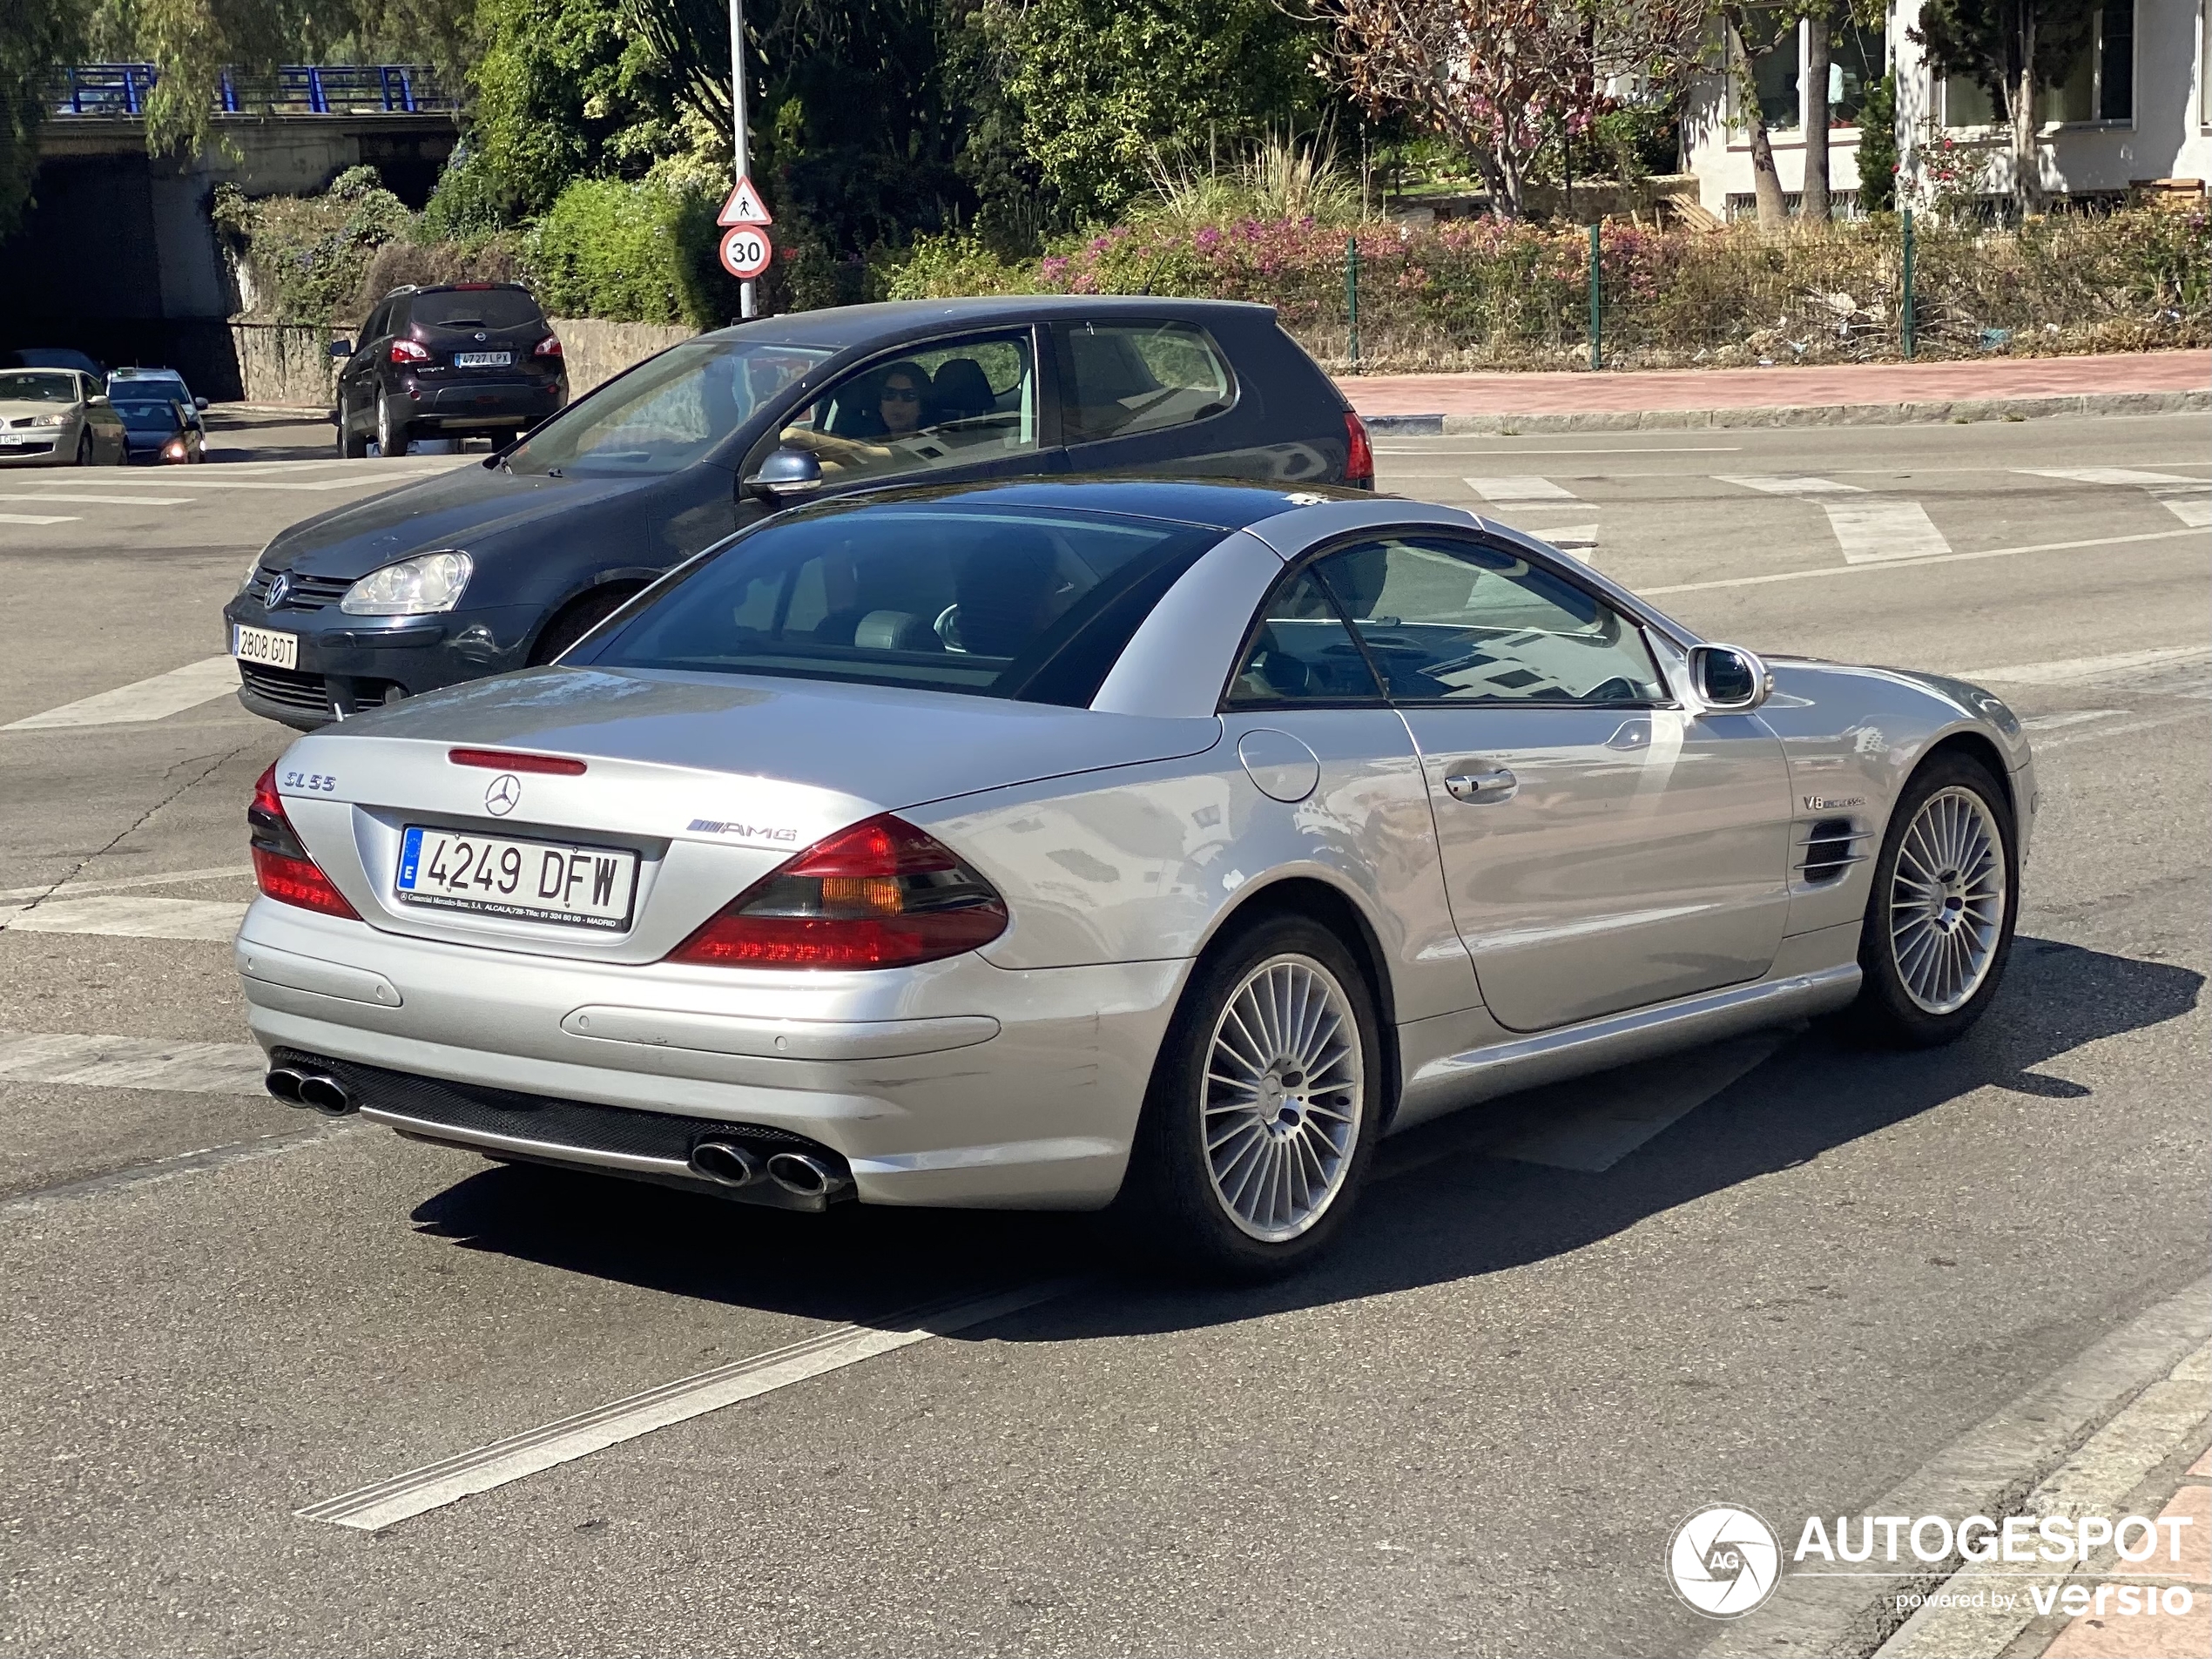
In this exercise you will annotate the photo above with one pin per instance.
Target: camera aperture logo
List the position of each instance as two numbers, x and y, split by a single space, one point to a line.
1723 1560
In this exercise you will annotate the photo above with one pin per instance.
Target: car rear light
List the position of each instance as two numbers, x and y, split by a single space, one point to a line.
549 347
281 867
405 351
1360 466
880 894
511 760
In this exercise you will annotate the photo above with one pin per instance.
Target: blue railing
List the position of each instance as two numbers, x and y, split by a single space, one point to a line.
296 88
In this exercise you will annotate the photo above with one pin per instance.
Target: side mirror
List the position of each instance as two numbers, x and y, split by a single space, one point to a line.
1729 679
200 403
787 472
341 349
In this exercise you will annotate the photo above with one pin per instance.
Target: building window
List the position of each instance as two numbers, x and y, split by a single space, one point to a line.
2099 84
1775 76
1857 58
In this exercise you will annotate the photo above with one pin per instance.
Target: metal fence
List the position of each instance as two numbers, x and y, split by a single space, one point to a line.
295 89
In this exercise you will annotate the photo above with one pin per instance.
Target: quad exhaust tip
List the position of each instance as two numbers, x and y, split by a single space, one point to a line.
727 1164
805 1176
316 1091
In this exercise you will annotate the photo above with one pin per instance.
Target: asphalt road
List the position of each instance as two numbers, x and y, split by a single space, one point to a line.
1782 1272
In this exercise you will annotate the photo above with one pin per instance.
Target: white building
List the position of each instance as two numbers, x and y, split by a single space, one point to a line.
2133 110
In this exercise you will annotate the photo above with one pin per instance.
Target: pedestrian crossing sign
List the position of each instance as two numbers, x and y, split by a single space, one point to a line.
745 206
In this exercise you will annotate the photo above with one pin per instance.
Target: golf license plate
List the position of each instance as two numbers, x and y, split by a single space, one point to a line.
500 875
482 358
263 645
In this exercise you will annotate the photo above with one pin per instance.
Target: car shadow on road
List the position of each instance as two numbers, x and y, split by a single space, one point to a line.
1454 1212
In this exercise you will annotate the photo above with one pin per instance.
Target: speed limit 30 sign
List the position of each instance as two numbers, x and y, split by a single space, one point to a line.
746 251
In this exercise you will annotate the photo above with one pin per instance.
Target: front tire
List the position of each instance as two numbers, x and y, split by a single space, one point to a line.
580 617
1940 919
85 448
1260 1123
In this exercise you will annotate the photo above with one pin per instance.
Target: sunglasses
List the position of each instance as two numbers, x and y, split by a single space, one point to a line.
900 395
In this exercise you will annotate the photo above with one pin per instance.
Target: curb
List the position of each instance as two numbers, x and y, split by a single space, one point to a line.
1956 411
1990 1470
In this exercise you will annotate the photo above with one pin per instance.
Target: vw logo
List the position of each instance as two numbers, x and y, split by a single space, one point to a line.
280 590
505 790
1725 1561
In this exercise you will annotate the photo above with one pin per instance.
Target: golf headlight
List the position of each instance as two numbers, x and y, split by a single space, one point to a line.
49 420
416 587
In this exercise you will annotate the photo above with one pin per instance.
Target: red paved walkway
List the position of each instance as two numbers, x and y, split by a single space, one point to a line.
1740 389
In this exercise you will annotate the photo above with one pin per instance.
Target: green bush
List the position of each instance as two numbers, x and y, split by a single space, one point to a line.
641 253
303 259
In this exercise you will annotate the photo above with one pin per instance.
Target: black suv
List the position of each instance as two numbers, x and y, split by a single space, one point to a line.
483 569
464 359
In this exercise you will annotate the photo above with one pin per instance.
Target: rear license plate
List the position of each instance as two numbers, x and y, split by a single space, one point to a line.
500 875
482 358
261 645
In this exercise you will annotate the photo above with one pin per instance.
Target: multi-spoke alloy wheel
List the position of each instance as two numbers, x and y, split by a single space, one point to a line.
1939 911
1284 1088
1947 901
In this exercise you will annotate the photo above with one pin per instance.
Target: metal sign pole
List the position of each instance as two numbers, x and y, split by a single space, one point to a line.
737 98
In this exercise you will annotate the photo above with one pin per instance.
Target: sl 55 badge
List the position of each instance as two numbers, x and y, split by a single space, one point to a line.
309 782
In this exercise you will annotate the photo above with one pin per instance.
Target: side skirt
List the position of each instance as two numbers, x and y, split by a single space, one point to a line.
1449 1082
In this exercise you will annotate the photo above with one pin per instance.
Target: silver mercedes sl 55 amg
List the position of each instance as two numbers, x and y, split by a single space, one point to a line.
1152 844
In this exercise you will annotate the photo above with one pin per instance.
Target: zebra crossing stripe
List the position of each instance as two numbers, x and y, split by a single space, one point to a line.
1870 528
147 699
2188 499
132 1062
1521 489
122 916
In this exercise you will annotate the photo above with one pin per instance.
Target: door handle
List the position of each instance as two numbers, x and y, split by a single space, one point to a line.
1480 788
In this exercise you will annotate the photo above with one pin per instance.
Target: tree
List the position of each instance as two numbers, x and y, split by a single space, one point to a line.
34 35
1503 78
1746 41
1878 147
2010 48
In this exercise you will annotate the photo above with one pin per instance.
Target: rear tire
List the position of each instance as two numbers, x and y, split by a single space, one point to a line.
577 619
1260 1123
1940 918
391 434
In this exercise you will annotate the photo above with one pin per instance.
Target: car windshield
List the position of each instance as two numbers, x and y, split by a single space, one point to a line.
145 412
1030 603
475 308
38 385
667 412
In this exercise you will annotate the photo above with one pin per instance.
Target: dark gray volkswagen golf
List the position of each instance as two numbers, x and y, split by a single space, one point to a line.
506 565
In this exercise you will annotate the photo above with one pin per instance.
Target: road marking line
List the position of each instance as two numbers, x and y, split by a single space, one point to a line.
372 1508
2071 717
132 1062
1581 540
2105 733
77 889
2193 506
1878 530
2068 670
1595 450
1638 1103
129 918
1521 489
2106 476
39 518
104 501
1944 558
147 699
199 1162
1790 485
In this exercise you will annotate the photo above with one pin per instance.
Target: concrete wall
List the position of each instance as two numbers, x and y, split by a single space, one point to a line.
2170 136
289 364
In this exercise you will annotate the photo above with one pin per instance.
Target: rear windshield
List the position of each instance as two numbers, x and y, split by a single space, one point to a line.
475 308
1029 603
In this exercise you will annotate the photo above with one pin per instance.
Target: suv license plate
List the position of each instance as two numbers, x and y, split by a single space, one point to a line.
500 875
269 649
482 358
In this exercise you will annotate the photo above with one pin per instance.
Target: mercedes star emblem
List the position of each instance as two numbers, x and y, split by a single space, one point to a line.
505 791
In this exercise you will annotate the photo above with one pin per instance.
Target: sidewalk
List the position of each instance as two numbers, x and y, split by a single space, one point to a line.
1854 394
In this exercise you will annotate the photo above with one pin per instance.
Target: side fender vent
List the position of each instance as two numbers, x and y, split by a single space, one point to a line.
1831 846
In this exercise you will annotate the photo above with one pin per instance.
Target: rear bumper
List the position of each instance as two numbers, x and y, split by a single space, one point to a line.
956 1084
483 403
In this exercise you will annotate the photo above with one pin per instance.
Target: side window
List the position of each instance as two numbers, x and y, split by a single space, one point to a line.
1452 621
1119 379
950 405
376 327
1302 652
